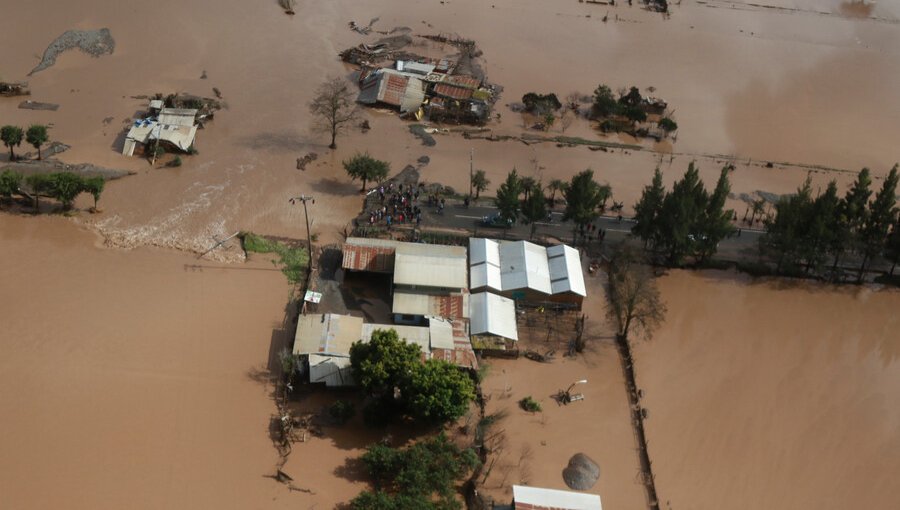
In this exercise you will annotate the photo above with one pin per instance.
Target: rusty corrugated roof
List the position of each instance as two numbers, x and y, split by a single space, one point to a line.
453 91
377 259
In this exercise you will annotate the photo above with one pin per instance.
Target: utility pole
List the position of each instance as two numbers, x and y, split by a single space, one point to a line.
471 170
304 199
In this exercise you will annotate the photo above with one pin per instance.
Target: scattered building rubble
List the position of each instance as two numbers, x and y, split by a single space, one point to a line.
14 89
171 122
446 89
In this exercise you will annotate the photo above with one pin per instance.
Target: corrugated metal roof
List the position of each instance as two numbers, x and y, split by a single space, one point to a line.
491 314
393 88
334 371
414 67
524 265
453 91
328 333
484 264
412 302
376 259
430 265
535 498
147 130
566 274
177 116
461 354
462 80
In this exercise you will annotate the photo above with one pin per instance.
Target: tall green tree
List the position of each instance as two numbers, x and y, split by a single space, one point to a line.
480 182
881 213
534 207
583 199
10 181
507 200
391 370
682 213
555 186
822 226
37 136
40 184
66 187
716 221
785 231
366 168
94 186
648 209
605 103
437 392
853 216
526 184
892 247
384 363
12 137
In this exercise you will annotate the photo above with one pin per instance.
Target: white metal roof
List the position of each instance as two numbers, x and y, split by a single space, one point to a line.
414 67
327 333
484 264
492 314
177 116
441 333
537 498
429 265
332 370
524 265
566 274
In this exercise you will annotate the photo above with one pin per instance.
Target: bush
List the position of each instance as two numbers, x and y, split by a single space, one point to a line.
541 103
342 411
529 404
176 162
667 124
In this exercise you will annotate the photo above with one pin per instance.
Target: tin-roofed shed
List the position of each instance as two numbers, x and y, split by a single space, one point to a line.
536 498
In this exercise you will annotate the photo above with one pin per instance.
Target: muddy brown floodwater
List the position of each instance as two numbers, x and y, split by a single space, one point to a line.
773 394
135 379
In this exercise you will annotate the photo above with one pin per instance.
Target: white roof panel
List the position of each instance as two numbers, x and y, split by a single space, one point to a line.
566 274
491 314
441 331
483 250
552 499
524 265
426 265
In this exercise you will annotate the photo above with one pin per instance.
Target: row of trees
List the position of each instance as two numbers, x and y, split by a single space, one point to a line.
687 221
808 233
12 137
62 186
391 372
585 198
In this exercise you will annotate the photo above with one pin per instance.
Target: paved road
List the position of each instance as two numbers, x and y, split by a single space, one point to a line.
458 216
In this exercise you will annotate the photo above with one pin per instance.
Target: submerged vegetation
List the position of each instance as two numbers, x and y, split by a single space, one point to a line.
293 259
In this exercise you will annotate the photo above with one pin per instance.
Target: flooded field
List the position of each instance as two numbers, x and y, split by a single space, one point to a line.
773 394
135 376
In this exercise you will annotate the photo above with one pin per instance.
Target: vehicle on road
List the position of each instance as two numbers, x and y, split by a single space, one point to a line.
496 220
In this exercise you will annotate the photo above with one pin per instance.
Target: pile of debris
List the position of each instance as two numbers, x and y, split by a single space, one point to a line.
450 89
171 123
14 89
